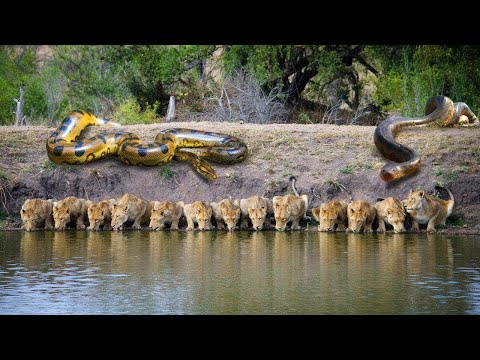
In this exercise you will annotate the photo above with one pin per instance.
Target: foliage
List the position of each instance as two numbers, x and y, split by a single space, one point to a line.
129 112
134 81
412 74
166 172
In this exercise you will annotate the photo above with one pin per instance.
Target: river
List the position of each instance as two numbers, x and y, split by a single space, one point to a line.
141 272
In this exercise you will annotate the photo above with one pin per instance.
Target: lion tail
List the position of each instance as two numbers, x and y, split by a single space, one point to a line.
293 179
451 200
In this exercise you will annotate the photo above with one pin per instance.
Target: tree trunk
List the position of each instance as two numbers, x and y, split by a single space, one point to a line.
20 119
171 109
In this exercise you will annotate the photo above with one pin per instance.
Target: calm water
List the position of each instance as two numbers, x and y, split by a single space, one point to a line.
139 272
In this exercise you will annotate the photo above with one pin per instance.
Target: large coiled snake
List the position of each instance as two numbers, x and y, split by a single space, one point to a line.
64 145
406 161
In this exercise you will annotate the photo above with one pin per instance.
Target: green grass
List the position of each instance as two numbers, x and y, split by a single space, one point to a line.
437 171
455 220
3 215
452 175
233 177
348 169
49 165
166 172
3 175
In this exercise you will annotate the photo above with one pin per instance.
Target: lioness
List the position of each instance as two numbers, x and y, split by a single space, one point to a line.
226 212
99 214
130 208
70 209
360 214
258 210
165 212
289 208
427 209
391 211
198 212
36 213
330 214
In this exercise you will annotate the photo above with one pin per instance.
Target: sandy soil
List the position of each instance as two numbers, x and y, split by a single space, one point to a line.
324 158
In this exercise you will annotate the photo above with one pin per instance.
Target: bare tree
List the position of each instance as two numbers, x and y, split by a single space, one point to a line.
242 99
20 118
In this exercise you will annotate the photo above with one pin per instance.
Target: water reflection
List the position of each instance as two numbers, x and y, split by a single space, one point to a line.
244 272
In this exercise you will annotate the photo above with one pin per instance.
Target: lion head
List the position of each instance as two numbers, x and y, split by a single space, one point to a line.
119 216
231 217
358 213
257 217
282 211
203 214
161 211
396 217
61 215
414 200
97 214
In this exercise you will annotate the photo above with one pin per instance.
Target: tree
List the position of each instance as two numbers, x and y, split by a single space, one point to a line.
290 68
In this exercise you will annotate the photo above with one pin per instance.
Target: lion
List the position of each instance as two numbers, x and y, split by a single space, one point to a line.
130 208
36 213
427 209
69 210
330 214
226 212
289 208
258 210
198 212
390 211
360 214
165 212
99 214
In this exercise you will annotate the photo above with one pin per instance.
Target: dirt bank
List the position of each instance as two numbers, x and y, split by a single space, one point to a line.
324 158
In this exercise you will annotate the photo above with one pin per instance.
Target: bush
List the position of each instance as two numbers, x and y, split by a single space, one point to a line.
129 112
241 98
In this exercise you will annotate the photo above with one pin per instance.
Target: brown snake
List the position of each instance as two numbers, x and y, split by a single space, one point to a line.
404 160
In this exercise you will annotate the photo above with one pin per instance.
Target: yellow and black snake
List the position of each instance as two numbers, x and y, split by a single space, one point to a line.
406 161
64 145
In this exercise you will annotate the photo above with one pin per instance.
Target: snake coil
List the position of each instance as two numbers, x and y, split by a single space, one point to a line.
64 145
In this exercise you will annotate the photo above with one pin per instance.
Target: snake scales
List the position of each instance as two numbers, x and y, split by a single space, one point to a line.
64 145
404 160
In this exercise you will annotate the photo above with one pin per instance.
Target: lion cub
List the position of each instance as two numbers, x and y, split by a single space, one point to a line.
289 208
258 210
130 208
360 214
165 212
36 213
70 209
390 211
99 214
330 214
426 209
226 212
198 212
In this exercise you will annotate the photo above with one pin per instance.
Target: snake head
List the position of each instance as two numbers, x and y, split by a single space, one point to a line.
390 173
205 169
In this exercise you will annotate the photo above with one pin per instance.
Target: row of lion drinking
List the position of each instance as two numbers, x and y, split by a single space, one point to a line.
252 213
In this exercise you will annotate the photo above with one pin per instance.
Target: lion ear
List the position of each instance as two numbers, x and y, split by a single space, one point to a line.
67 211
422 193
411 191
